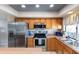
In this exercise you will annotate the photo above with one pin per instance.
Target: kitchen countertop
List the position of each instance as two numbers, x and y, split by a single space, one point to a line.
23 51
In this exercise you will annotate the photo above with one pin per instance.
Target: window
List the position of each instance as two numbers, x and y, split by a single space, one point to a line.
78 29
71 28
64 28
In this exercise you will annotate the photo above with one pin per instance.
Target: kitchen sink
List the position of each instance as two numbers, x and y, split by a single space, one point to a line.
69 42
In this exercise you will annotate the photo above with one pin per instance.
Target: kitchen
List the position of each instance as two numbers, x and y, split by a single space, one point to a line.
50 28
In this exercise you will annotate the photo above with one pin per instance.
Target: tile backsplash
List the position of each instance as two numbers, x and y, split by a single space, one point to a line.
51 31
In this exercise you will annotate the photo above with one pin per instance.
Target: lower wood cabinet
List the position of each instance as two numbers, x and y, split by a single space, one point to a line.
53 44
50 44
67 50
61 48
30 42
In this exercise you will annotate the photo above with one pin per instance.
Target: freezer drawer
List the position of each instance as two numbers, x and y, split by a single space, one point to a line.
20 41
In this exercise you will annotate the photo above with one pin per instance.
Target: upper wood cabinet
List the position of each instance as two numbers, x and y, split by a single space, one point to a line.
54 23
43 20
48 23
57 23
31 23
37 20
60 23
26 20
19 20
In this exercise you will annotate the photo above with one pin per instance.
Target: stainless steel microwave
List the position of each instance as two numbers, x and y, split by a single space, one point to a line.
39 26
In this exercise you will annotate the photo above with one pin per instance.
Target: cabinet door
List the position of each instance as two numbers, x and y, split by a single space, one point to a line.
67 50
30 42
31 23
50 46
59 23
19 20
54 23
48 23
26 20
43 20
74 52
59 47
37 20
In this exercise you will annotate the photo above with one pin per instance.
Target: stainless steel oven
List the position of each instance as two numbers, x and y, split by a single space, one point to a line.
40 42
40 39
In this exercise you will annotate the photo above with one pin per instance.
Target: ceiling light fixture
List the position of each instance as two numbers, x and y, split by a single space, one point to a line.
51 5
70 12
23 6
37 6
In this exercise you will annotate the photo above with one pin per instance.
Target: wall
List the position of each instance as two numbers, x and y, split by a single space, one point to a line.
4 19
68 8
8 9
38 14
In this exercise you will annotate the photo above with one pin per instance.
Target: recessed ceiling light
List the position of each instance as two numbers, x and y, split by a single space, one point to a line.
37 6
23 6
51 5
70 12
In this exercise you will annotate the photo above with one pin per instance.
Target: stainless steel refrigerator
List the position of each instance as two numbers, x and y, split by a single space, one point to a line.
17 34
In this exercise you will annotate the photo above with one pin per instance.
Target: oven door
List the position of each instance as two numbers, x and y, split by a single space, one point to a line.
39 42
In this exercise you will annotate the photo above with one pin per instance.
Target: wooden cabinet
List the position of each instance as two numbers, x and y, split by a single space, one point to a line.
53 44
74 52
66 50
26 21
31 23
30 42
50 44
54 23
61 48
19 20
57 23
43 20
37 20
48 23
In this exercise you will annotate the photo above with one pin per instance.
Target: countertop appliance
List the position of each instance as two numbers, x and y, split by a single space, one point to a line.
17 34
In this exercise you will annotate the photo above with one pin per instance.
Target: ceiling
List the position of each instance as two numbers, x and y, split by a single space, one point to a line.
42 8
